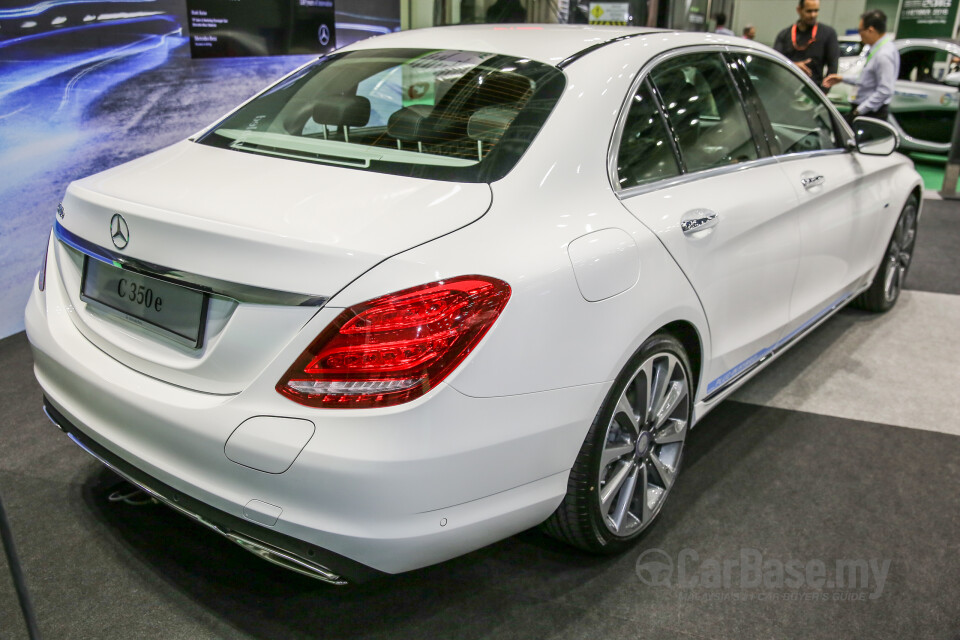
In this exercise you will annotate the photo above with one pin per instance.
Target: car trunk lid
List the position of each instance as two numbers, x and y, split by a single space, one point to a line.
270 239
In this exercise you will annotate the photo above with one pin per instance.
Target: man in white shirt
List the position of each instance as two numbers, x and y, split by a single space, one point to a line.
879 76
722 28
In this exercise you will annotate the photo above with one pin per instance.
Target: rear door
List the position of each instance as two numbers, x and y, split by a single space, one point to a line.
691 167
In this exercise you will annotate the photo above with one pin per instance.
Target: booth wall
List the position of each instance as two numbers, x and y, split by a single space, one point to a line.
75 100
770 16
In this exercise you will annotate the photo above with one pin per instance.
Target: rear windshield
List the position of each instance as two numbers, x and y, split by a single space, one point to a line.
444 115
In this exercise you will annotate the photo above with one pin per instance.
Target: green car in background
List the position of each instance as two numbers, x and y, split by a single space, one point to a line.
924 106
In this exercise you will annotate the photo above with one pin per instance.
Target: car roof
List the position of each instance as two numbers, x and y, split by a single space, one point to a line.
941 43
551 43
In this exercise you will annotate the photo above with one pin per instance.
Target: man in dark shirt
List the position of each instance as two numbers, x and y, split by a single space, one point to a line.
809 44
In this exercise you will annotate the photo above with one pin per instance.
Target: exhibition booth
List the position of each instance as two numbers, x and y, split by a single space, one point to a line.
397 320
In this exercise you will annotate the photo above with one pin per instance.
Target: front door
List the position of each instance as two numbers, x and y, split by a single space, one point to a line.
838 206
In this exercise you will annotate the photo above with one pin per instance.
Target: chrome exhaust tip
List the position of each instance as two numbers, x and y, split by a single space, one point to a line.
285 559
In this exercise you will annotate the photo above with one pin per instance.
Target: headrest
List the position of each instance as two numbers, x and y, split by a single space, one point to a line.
490 123
408 123
342 111
499 88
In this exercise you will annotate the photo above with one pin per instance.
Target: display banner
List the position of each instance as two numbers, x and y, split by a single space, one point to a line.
927 18
225 28
615 13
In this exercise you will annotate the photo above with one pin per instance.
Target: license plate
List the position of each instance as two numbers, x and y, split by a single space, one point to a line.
174 311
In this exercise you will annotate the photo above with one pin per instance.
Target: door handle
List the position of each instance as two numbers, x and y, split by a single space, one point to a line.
810 182
698 220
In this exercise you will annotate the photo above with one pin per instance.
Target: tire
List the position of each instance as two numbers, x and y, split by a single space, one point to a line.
632 449
888 281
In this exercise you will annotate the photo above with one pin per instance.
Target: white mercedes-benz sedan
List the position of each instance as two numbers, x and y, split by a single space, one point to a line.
445 285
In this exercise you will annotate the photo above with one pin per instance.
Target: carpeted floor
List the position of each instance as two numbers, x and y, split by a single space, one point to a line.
938 254
780 485
783 477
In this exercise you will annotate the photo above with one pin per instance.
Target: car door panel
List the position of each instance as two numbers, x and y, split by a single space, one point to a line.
743 268
729 221
837 205
837 221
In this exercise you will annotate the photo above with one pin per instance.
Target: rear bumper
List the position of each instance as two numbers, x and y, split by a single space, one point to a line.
385 490
270 545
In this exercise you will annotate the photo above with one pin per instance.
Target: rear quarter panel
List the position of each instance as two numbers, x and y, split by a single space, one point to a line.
549 336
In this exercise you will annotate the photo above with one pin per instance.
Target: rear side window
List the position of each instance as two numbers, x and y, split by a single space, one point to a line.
849 48
645 153
923 65
463 116
705 111
800 118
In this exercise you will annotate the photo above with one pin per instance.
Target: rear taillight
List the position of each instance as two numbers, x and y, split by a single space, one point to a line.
397 347
42 276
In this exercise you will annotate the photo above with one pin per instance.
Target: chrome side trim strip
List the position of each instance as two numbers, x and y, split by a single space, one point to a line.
812 154
684 178
260 549
729 379
214 286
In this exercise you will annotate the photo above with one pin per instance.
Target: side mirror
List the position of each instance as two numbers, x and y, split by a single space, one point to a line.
875 137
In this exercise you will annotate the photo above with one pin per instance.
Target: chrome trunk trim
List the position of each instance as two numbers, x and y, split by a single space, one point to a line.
213 286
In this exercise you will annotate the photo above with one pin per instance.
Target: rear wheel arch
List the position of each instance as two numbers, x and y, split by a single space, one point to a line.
689 337
632 451
918 194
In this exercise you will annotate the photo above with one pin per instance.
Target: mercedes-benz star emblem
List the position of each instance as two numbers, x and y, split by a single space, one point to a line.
324 35
119 232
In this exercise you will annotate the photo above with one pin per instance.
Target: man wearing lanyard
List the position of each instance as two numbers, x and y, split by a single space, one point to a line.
879 75
809 44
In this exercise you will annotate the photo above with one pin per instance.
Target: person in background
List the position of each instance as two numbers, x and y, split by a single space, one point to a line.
506 11
879 75
809 44
750 32
722 29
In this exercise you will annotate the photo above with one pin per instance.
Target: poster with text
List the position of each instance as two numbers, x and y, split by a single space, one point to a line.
927 18
228 28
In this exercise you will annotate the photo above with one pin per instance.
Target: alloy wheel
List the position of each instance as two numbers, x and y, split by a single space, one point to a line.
900 253
643 443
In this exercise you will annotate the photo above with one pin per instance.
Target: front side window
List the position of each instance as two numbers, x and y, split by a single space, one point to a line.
705 112
439 114
798 114
645 154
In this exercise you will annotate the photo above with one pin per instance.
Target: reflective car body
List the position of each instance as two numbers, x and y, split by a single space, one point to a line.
924 105
850 49
730 211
